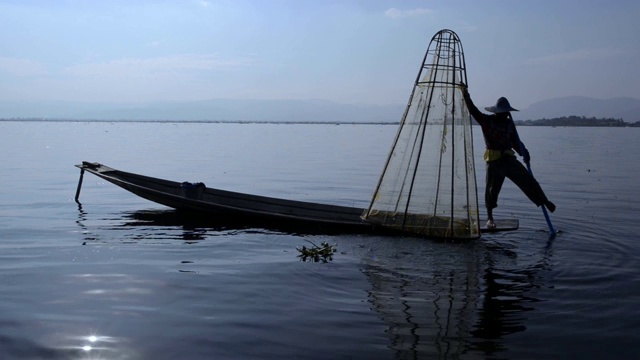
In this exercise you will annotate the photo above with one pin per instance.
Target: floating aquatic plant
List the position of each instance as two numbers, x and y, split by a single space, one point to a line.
323 253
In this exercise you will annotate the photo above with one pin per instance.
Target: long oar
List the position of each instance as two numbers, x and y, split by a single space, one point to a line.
544 209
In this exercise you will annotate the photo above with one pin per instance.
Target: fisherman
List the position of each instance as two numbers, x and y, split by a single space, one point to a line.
501 139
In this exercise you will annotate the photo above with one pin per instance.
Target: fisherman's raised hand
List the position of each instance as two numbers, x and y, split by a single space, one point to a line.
465 90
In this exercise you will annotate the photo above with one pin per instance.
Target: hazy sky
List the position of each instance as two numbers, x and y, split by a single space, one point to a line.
348 51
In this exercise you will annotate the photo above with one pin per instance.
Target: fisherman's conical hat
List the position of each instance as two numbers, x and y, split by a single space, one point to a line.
501 106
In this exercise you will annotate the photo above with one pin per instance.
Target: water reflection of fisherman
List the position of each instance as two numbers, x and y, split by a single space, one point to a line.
455 301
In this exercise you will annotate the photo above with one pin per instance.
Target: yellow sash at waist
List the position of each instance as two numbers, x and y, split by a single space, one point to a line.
493 155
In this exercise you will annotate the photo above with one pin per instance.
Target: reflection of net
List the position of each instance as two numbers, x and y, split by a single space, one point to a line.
428 185
431 309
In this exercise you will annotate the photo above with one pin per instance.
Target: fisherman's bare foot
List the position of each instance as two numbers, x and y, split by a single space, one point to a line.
491 224
549 205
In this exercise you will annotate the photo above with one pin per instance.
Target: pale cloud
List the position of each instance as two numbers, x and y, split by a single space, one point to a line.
466 27
154 44
143 67
577 56
396 13
21 67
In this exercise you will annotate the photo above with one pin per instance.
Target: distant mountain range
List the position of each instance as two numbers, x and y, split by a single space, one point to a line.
627 109
209 110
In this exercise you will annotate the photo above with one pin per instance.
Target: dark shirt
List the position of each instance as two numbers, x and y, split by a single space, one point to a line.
499 132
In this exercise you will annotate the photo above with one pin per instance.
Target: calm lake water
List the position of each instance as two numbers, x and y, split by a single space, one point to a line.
119 278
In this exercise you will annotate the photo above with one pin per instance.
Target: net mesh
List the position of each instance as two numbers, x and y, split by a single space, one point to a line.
428 185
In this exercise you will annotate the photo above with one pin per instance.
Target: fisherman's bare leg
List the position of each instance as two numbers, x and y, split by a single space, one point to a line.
494 180
490 223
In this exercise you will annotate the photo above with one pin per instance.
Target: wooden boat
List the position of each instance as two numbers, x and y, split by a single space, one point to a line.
196 198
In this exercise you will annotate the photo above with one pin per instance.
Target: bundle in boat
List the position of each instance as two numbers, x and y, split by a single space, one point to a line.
428 185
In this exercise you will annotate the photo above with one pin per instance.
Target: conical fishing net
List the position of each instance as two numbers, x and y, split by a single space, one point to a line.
428 185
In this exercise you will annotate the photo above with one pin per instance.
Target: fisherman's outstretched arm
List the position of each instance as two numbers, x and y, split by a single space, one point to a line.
473 110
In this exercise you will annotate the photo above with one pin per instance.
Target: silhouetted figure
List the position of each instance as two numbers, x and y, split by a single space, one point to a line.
501 139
